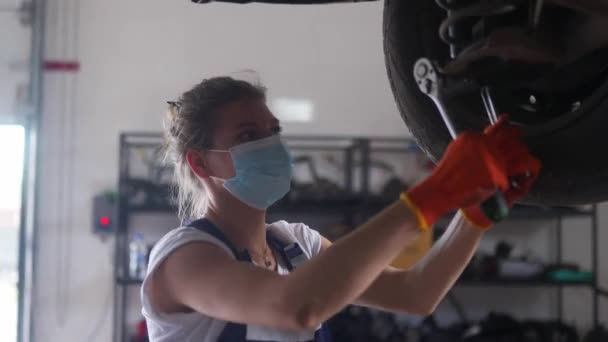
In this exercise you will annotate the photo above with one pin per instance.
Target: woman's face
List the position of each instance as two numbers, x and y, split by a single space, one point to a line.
242 122
238 123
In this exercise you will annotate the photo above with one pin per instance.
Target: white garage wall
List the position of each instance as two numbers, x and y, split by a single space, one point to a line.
137 54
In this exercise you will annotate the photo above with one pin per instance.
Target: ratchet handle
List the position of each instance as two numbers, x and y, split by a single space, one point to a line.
495 208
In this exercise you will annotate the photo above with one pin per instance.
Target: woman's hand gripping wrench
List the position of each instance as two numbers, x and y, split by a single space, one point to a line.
430 83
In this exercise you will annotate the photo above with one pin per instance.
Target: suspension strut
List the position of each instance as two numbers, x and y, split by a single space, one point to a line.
462 15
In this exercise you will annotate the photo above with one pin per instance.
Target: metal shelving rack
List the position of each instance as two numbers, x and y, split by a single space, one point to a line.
535 213
128 142
362 201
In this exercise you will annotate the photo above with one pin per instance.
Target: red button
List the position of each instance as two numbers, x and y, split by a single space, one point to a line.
104 220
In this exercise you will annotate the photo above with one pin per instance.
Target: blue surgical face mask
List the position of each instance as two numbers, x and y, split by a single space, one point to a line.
263 170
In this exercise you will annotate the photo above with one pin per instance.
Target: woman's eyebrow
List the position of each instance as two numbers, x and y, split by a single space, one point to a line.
247 124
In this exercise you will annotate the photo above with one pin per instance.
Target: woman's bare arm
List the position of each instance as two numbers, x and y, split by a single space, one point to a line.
421 288
204 278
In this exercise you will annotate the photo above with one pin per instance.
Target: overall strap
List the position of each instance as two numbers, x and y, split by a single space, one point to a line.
323 334
208 227
293 255
290 252
233 332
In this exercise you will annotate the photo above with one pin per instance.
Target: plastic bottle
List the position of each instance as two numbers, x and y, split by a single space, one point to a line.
137 256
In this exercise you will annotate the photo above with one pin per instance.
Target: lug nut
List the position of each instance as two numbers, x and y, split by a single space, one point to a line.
422 70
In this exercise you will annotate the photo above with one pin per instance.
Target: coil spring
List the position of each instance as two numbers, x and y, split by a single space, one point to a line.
459 13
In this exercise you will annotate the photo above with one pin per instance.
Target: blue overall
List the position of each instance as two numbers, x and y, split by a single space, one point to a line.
236 332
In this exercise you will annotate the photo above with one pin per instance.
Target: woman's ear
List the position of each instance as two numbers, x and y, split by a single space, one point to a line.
197 163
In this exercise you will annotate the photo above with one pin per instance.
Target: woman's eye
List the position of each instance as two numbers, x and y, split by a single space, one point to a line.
246 136
252 135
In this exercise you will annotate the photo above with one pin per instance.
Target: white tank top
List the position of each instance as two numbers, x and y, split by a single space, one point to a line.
196 327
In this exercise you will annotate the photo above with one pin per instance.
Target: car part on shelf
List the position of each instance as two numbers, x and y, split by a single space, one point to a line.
144 192
320 188
599 334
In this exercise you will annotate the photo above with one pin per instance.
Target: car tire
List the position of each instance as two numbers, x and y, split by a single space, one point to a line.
571 149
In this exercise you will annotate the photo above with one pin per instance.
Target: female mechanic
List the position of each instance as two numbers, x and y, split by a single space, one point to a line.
230 276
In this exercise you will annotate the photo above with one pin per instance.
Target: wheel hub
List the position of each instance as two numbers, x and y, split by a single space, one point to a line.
542 59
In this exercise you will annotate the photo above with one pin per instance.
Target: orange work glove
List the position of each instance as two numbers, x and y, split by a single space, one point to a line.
471 169
522 168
